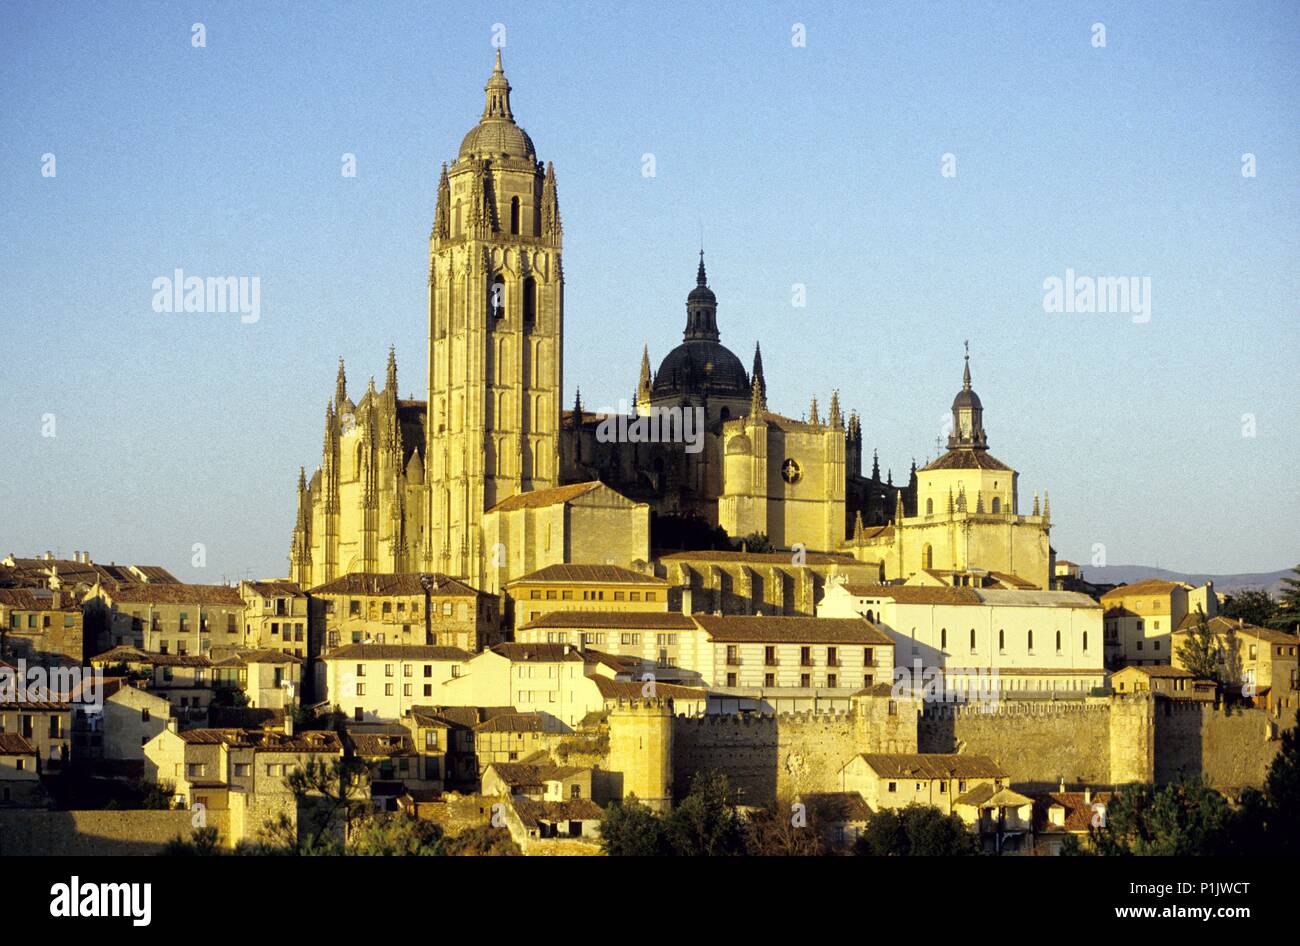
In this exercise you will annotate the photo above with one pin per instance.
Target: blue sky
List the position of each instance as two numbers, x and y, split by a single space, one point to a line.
817 165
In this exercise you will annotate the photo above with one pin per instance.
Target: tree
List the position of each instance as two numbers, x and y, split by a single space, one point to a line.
1199 653
155 796
1181 820
755 542
916 831
632 830
389 834
204 842
1287 617
329 796
1253 605
482 841
705 824
775 832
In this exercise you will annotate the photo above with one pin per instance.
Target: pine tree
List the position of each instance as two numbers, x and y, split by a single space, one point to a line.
1287 617
1199 653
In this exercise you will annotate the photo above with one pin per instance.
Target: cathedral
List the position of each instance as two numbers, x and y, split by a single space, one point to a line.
407 485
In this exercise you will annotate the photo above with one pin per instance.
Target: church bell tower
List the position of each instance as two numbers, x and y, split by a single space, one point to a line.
496 318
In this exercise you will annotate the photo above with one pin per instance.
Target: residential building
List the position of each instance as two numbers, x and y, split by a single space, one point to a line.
382 682
166 618
367 608
591 588
896 780
275 616
1259 661
1164 680
989 640
41 626
20 782
205 765
1141 617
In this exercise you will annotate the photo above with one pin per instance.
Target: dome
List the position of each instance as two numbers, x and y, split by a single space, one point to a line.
966 398
700 365
702 294
496 137
496 133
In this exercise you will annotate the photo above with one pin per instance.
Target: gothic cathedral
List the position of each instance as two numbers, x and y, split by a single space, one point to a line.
408 485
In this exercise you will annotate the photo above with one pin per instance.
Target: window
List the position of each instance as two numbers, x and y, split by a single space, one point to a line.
929 507
731 680
514 216
361 689
1031 642
144 714
242 769
832 680
769 656
769 679
943 638
869 656
1002 642
805 680
893 786
1058 642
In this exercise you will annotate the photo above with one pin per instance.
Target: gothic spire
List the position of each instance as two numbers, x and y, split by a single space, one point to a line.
813 417
875 465
390 376
701 279
341 385
643 386
758 360
497 104
551 225
965 374
442 213
837 419
757 396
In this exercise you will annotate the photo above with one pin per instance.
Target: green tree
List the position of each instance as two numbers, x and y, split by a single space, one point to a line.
775 832
1287 616
1181 820
156 796
330 796
389 834
1252 605
204 842
916 831
705 824
482 841
755 542
1199 653
631 829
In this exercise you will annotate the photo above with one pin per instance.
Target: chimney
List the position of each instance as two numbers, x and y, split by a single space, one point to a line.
288 722
686 602
1061 789
171 724
1087 795
49 556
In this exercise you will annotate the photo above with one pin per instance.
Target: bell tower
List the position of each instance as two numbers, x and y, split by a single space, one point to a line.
496 319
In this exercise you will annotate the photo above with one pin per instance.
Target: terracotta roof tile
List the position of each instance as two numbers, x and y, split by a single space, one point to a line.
792 630
540 498
587 574
404 583
932 765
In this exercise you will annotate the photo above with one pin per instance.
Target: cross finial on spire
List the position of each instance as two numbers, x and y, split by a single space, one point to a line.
700 278
965 376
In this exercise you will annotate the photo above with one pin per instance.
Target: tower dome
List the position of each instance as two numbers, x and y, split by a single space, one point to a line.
701 363
496 134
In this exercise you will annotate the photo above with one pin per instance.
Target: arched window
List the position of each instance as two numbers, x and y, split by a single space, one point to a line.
725 413
870 616
456 221
514 216
1031 642
497 298
1058 642
929 507
927 557
530 301
1085 642
997 505
972 640
943 638
1002 642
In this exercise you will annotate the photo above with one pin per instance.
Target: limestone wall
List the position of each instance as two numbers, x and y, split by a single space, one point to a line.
57 833
1037 743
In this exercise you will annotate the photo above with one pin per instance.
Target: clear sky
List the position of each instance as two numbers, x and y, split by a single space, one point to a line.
818 165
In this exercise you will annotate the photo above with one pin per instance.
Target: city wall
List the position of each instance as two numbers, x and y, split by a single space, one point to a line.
1100 742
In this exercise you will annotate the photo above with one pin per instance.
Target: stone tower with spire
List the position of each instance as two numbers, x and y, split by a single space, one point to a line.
496 316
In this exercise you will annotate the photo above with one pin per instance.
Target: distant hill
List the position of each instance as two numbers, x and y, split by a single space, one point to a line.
1224 584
